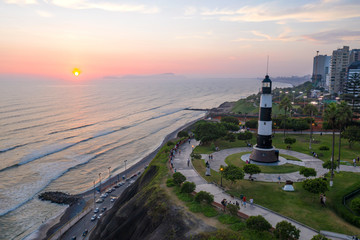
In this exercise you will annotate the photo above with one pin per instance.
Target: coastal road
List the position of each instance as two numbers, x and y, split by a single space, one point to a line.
85 223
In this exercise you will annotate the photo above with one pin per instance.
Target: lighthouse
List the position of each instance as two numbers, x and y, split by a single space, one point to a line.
263 151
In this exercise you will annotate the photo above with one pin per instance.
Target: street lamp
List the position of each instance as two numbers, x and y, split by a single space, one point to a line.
221 171
94 193
125 164
100 183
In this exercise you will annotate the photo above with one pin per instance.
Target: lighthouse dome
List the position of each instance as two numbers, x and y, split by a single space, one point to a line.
266 85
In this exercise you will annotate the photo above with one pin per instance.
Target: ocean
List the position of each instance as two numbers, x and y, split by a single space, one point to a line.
58 136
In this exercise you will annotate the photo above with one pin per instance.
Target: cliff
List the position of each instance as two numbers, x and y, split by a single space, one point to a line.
145 211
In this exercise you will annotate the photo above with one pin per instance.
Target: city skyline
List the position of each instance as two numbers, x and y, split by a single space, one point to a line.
198 39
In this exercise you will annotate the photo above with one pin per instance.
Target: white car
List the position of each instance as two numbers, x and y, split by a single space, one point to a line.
100 200
93 218
99 216
96 210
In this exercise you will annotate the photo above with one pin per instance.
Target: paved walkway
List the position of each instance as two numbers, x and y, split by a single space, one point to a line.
180 163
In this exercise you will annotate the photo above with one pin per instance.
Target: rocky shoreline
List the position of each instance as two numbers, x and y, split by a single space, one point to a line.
59 197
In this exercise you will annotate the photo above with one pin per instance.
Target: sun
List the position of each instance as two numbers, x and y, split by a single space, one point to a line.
76 72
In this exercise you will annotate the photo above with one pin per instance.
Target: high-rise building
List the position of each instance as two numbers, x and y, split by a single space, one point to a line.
352 87
354 55
321 68
338 69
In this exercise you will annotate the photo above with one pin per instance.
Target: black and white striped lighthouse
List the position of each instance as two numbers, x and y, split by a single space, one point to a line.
264 151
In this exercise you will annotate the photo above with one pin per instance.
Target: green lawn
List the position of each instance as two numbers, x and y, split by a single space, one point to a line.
299 205
235 159
301 145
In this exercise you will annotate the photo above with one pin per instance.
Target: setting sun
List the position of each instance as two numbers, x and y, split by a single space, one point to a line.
76 72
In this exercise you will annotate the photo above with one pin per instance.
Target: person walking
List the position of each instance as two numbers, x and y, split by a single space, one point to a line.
354 161
244 200
188 162
279 179
251 202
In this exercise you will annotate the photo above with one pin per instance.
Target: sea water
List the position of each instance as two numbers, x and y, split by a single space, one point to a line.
59 136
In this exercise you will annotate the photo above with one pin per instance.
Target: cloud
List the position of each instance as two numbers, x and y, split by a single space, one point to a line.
44 14
333 36
190 11
284 36
21 2
203 35
105 5
325 10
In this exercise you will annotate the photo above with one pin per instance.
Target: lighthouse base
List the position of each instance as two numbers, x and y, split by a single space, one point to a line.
264 155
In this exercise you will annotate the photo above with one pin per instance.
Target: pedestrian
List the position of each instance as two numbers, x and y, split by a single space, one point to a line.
279 179
354 161
324 200
244 200
241 199
251 202
223 202
188 162
237 204
189 140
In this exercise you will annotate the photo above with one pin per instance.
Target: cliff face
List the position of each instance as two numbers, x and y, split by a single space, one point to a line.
144 211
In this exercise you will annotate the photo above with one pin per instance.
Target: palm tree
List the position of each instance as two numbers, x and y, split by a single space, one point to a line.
311 110
286 105
330 116
343 118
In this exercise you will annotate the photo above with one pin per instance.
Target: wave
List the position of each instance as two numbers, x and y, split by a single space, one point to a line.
74 128
52 149
11 148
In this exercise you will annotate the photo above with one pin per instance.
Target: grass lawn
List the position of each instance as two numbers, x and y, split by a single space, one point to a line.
301 145
235 159
299 205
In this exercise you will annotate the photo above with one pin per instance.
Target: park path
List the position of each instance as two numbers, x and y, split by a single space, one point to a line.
180 164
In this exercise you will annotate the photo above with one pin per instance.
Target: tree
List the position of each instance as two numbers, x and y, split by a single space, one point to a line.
330 116
230 119
258 223
343 118
233 173
188 187
319 237
204 196
230 126
307 172
231 137
208 131
352 134
286 231
286 105
311 110
251 123
315 186
300 125
252 169
179 178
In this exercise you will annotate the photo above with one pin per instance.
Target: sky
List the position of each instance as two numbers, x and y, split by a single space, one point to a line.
202 38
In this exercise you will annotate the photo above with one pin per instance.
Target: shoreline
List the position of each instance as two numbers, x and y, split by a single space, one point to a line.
53 224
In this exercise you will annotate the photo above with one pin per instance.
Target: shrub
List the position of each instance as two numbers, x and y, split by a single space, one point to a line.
170 182
195 155
258 223
238 226
230 126
327 164
319 237
230 137
307 172
285 231
178 178
188 187
204 196
245 136
252 124
355 205
182 134
233 209
324 148
170 143
230 119
290 140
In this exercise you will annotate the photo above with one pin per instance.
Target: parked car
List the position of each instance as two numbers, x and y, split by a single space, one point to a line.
100 215
100 200
96 209
112 199
85 232
93 218
103 209
109 190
